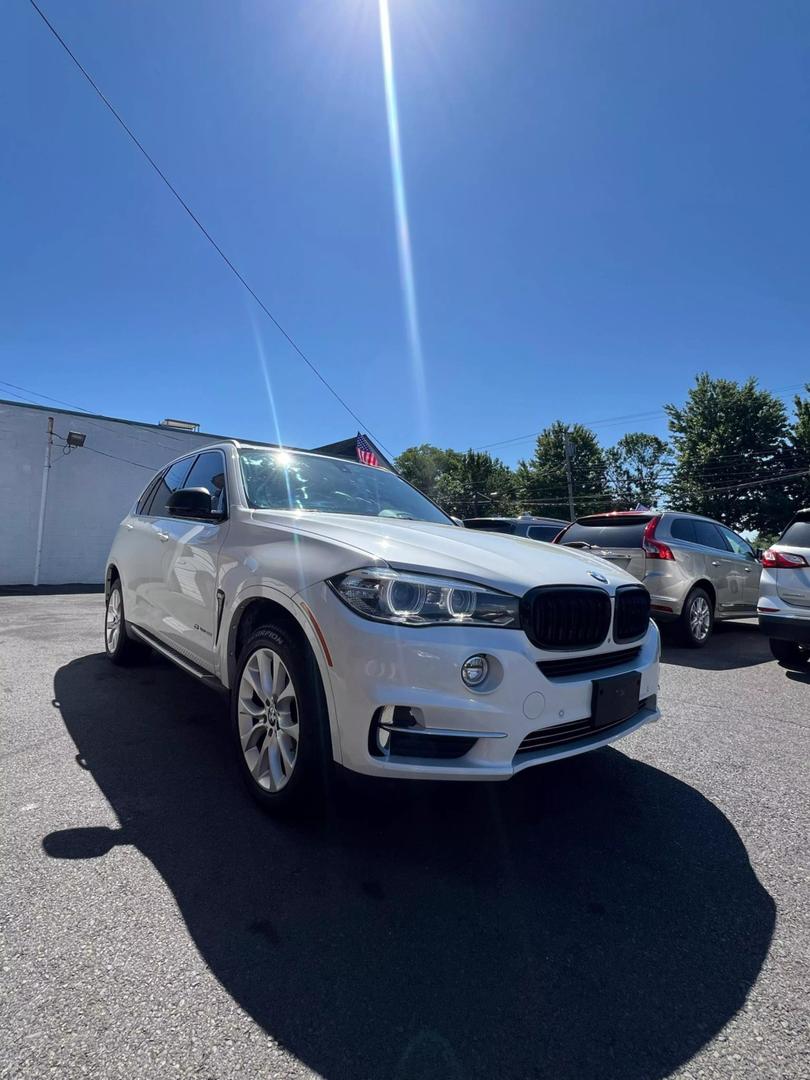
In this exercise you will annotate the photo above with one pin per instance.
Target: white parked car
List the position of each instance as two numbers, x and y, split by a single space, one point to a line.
784 593
352 621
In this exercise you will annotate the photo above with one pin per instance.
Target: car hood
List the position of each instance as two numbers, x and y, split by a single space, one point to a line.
510 563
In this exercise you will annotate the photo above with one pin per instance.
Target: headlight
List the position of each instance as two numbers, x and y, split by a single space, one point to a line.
418 600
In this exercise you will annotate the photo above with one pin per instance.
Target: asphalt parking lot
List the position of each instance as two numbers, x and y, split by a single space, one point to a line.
637 912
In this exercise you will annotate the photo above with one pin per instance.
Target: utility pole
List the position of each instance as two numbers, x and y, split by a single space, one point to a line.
568 475
46 472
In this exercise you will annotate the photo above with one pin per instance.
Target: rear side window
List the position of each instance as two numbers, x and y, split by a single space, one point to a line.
618 532
797 533
709 535
208 472
683 529
147 495
542 532
172 480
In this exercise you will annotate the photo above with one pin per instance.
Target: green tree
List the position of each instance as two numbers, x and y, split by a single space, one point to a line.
799 451
423 466
636 470
541 485
476 484
727 437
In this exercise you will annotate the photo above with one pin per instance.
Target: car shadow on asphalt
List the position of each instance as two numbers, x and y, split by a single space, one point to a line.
592 918
732 645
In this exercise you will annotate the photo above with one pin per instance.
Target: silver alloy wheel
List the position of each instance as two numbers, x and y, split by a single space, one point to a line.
700 618
112 623
268 719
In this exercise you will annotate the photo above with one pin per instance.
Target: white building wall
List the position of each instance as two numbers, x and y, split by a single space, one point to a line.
88 491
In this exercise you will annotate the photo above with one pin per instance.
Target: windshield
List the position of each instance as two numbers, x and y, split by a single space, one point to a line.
281 480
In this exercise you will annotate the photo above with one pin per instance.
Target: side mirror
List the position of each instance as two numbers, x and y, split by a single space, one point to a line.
458 521
190 503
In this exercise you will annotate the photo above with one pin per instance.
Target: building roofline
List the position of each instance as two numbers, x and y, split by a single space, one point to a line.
177 431
135 423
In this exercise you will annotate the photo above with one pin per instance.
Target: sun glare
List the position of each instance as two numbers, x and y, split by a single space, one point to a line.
401 211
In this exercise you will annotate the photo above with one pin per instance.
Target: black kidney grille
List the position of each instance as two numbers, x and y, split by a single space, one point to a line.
566 616
632 613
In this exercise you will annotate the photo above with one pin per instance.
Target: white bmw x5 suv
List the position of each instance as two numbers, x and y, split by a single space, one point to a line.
351 620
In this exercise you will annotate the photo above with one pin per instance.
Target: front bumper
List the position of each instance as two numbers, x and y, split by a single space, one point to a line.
376 665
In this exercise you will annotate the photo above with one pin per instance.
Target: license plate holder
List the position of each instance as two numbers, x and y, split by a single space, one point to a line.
615 699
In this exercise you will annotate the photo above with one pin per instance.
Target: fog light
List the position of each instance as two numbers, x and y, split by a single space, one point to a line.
474 670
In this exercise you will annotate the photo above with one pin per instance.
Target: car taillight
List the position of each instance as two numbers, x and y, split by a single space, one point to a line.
655 549
782 560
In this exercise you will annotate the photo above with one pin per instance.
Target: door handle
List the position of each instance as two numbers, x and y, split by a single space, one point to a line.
163 537
715 562
748 569
128 525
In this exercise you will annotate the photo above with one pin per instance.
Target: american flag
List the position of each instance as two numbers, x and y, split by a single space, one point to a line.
365 451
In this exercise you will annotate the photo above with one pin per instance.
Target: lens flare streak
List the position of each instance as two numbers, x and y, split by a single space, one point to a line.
401 206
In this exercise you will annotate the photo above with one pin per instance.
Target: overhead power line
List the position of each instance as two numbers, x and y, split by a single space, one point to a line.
204 230
45 397
759 481
88 418
649 415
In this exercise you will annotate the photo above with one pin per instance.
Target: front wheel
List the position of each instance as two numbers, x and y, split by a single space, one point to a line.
279 723
697 619
789 654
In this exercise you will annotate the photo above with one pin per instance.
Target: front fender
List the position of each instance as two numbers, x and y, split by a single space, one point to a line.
226 642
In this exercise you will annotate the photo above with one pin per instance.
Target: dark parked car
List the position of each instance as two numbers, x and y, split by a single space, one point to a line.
536 528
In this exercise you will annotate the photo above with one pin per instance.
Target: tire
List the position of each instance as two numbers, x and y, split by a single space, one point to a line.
789 654
696 620
119 646
279 724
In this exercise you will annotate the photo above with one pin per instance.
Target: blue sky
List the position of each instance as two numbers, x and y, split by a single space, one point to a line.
603 198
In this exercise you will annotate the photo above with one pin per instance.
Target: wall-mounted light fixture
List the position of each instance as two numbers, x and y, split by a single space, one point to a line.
75 438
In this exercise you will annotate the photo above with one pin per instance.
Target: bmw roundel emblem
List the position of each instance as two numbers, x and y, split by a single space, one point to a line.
599 577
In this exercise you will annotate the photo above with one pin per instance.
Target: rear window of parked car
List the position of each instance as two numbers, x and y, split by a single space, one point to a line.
543 532
491 526
797 533
618 532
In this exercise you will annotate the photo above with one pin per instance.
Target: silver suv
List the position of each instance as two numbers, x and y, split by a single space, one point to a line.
696 569
784 593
